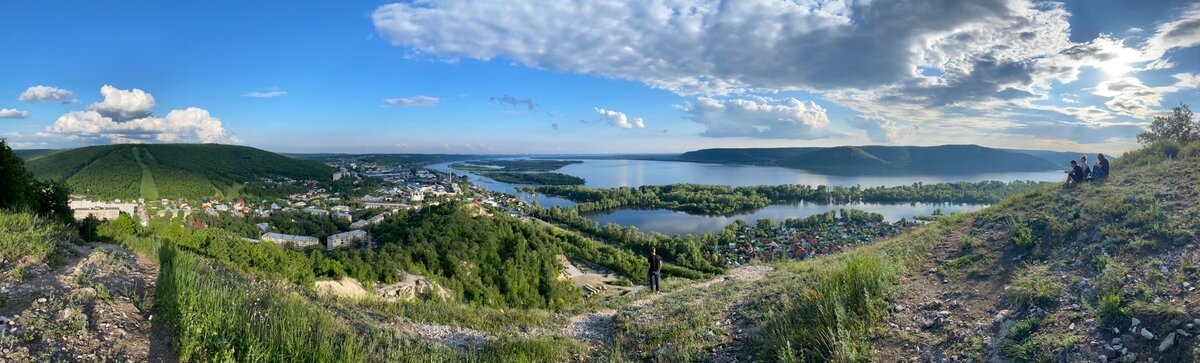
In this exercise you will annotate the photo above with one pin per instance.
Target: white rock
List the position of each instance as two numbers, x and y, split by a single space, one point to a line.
1116 341
1147 334
1183 333
1167 343
1136 322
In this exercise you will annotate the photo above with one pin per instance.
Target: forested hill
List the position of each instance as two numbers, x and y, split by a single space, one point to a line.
169 170
882 159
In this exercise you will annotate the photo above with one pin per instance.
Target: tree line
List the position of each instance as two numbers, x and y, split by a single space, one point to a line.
726 200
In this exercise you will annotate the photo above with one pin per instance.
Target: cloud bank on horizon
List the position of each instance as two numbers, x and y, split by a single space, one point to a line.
912 69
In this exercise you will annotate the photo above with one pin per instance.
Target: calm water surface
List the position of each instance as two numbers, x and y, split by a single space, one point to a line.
621 173
671 222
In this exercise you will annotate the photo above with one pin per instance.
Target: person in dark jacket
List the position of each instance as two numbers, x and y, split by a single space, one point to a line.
1101 169
1075 174
655 269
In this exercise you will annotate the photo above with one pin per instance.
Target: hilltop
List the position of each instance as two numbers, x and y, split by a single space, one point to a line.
130 171
1056 274
875 159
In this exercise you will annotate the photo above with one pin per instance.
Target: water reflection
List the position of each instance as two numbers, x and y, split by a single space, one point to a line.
620 173
671 222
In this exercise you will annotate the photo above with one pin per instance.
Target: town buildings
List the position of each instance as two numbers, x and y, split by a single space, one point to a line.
298 242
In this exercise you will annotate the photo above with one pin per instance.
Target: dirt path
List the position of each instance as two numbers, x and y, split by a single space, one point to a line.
738 349
95 307
597 326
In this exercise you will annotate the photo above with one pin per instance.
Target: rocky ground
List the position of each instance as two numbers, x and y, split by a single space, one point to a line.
967 299
94 307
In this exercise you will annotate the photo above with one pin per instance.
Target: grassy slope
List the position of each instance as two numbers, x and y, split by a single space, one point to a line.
174 170
1068 264
149 189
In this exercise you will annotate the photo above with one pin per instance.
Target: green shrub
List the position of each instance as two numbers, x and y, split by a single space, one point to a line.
1110 311
1034 287
1191 151
1024 240
102 292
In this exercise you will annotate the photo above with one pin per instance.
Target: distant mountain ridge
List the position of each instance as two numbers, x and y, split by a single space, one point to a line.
129 171
878 159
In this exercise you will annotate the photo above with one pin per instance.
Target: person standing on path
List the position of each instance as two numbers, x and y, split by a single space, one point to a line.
655 269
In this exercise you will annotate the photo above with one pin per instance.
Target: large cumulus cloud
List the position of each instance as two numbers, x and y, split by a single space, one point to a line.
125 116
716 47
761 117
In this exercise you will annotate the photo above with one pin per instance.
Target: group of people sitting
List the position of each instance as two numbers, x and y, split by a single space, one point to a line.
1080 171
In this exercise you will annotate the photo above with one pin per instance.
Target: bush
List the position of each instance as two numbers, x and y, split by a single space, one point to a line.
1024 240
1191 151
1034 288
1110 311
1154 153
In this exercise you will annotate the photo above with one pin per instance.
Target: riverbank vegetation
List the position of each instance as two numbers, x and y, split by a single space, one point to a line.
533 178
724 199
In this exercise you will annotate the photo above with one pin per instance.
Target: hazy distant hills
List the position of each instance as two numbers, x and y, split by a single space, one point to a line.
168 170
889 159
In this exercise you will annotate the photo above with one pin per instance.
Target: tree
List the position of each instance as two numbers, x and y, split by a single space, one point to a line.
19 189
17 185
1178 126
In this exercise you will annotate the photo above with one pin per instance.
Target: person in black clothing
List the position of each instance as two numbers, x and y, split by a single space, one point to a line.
655 269
1075 175
1101 169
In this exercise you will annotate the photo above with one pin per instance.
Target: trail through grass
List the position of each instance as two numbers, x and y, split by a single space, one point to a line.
149 189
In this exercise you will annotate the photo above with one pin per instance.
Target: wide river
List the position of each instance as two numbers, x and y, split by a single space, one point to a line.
621 173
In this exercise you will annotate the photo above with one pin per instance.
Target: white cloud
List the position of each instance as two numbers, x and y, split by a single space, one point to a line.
709 47
124 117
13 113
940 67
46 94
618 119
123 104
1134 29
270 92
1181 33
411 101
878 129
1130 97
760 117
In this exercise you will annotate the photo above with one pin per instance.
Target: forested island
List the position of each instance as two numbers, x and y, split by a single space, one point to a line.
523 171
533 178
522 165
724 199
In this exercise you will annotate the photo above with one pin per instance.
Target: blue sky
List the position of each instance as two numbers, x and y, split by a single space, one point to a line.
474 76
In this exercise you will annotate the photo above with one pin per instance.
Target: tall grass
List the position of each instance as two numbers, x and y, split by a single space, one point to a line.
220 314
26 239
827 309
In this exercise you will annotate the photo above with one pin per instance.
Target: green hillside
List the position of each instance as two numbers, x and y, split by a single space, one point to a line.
168 170
874 159
29 154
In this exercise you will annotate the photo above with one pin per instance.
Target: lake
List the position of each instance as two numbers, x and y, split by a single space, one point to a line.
670 222
609 173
